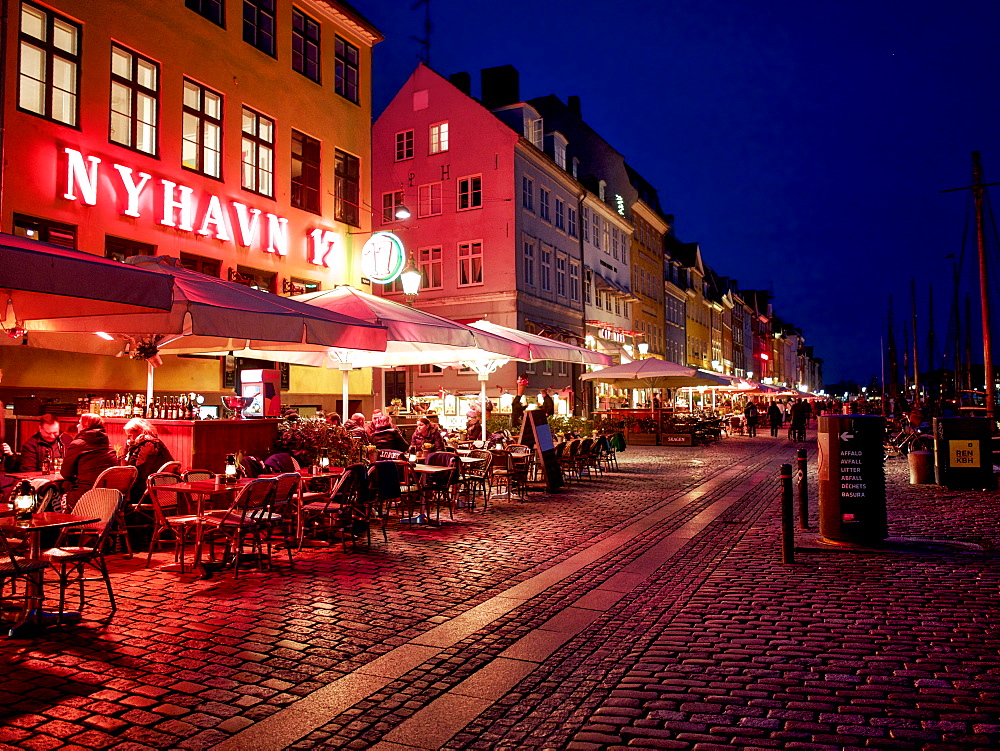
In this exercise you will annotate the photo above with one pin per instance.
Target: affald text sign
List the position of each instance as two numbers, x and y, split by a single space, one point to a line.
175 205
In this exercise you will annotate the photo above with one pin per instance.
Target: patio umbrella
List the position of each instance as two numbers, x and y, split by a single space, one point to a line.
207 315
543 348
655 373
40 280
413 337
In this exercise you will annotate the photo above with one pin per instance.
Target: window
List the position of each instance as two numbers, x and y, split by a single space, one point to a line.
49 75
575 167
265 281
258 25
305 172
439 138
607 237
426 369
574 281
210 9
561 275
571 221
470 263
347 188
429 199
587 277
297 286
560 214
202 265
44 230
391 202
119 248
470 193
346 70
258 153
535 132
597 228
543 204
305 45
404 145
618 306
584 224
528 193
429 261
546 259
529 263
559 153
202 145
135 91
614 242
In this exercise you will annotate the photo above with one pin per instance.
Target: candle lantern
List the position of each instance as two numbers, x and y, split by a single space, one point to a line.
232 470
24 502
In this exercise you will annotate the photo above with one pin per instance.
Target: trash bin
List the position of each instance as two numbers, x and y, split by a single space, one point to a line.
851 470
921 467
963 453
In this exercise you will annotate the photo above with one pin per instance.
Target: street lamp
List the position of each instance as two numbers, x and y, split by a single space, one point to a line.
643 348
410 276
402 212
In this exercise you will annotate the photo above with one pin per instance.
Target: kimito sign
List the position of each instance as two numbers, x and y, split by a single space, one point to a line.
229 221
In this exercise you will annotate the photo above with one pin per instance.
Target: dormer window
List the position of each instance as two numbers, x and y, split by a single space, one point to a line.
534 131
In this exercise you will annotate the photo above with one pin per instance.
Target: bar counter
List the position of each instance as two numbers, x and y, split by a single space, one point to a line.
203 444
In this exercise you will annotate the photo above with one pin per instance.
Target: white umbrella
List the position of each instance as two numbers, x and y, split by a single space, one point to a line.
207 315
40 281
413 337
543 348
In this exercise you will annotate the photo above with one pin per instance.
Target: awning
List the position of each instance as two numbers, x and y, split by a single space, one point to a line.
556 332
611 286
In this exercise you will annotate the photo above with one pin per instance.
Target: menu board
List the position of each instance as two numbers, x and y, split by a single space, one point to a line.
535 432
851 471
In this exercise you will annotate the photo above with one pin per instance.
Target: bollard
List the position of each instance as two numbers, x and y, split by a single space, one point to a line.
800 455
787 532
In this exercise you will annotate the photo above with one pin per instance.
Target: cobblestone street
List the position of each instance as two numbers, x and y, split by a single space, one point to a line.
648 608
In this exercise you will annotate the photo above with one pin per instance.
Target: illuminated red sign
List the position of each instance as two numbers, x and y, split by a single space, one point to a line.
210 216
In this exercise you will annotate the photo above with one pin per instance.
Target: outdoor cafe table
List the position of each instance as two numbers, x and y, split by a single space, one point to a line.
35 617
426 471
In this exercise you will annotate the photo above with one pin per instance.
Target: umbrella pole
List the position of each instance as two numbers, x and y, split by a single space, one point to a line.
345 369
149 387
482 400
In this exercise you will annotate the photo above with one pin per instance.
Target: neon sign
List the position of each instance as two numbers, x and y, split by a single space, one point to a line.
382 257
226 221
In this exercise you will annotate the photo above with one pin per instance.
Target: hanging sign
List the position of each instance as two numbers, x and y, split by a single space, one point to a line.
383 257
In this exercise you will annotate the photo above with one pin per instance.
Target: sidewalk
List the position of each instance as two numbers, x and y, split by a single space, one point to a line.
649 609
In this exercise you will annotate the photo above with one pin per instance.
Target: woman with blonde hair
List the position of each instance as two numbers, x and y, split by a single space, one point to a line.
145 451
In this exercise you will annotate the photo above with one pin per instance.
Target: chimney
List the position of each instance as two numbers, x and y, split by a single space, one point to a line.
573 102
500 86
462 81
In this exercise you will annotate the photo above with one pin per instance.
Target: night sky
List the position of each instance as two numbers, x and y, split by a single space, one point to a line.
803 145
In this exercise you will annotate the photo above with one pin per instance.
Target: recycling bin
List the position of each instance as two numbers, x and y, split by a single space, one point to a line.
851 471
963 453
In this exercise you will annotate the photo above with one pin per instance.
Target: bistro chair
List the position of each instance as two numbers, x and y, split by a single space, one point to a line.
79 547
525 454
585 458
198 475
173 467
244 522
382 491
476 476
439 489
120 479
286 512
14 569
181 527
323 517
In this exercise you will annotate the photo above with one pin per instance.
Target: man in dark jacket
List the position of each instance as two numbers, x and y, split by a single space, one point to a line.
548 405
47 443
88 455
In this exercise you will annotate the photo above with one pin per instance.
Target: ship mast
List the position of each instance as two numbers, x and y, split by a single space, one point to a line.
978 189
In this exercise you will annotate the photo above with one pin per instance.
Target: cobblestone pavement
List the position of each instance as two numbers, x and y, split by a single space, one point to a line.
646 609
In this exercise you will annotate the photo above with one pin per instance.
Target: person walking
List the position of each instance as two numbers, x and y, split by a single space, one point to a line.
751 415
774 418
548 406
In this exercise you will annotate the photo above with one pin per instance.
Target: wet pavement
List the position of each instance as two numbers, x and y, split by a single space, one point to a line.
648 608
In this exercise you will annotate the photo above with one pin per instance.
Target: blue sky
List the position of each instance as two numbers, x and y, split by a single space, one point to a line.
803 145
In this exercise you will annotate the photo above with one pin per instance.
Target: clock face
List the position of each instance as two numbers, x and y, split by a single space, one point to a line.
383 257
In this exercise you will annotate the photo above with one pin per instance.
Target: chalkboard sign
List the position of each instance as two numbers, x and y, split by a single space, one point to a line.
535 432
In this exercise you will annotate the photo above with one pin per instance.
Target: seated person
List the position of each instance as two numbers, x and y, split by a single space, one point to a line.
47 443
385 435
426 432
356 426
145 451
473 426
88 455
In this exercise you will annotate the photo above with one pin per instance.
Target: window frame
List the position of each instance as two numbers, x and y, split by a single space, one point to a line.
528 193
544 194
135 90
428 195
255 25
49 52
260 146
467 262
528 263
308 168
430 262
346 188
471 192
574 281
545 268
560 214
342 67
404 145
68 233
205 122
438 137
303 43
571 221
203 9
561 274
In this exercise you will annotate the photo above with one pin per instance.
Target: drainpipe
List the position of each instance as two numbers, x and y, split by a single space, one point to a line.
4 68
